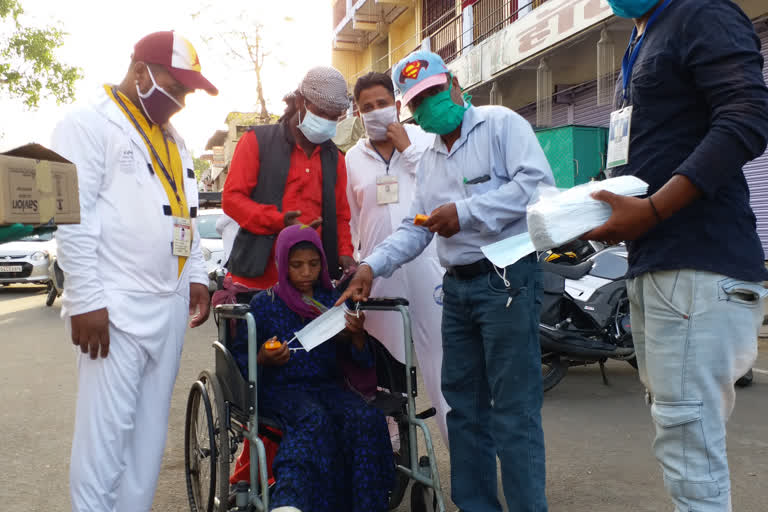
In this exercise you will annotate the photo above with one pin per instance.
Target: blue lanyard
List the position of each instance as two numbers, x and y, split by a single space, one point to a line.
386 162
628 62
168 176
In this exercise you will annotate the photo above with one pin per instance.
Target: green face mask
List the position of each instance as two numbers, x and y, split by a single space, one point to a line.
439 113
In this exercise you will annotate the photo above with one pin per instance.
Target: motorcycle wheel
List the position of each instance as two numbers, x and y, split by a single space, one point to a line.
553 369
746 381
51 298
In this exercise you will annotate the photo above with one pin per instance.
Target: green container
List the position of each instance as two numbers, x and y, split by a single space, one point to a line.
575 153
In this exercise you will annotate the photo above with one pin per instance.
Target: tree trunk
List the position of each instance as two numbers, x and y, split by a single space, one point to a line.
260 92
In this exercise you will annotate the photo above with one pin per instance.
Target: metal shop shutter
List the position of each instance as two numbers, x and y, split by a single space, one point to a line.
587 113
756 173
559 114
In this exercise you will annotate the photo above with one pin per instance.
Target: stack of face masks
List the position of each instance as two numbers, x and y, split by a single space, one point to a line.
560 217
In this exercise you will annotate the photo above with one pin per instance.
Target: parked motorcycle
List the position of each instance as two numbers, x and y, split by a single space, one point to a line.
56 284
585 310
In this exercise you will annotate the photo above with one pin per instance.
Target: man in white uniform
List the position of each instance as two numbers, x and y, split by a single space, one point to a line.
134 272
381 183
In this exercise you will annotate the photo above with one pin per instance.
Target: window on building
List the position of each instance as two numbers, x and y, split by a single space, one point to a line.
490 16
240 131
441 25
339 12
380 56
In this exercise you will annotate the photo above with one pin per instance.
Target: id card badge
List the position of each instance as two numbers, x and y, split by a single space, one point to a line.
618 137
182 237
387 190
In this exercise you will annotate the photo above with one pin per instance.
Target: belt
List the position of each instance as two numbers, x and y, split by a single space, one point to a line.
471 270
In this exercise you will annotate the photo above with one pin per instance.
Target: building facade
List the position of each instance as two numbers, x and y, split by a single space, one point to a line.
222 146
550 60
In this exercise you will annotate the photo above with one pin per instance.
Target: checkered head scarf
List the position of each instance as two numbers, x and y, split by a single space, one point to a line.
325 87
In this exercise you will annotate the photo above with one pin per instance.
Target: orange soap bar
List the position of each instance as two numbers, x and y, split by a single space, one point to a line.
420 219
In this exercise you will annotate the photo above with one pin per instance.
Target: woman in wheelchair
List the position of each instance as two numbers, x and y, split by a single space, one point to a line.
336 453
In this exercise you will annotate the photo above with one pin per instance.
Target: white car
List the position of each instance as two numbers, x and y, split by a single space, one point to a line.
210 241
27 260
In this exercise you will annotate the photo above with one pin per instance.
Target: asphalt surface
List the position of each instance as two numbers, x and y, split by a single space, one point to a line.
598 437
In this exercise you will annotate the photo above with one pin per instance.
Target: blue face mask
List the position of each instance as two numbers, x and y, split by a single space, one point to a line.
316 129
632 8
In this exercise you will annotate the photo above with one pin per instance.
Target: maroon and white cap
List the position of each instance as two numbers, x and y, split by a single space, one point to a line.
178 55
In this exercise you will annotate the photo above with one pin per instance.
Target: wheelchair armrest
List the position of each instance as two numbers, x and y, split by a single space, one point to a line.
383 303
236 311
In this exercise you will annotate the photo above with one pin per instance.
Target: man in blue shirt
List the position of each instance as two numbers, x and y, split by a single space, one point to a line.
475 183
692 78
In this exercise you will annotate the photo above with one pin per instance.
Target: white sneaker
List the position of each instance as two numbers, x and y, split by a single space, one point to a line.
286 509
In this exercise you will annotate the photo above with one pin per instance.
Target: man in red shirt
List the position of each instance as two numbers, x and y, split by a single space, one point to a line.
290 173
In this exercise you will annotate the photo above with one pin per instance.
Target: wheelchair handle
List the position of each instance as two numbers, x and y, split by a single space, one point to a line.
383 303
427 414
233 311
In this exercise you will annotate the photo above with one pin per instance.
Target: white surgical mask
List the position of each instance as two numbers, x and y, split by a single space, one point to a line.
510 250
376 122
316 129
323 328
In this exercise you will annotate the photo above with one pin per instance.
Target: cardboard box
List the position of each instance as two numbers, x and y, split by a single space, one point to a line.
37 186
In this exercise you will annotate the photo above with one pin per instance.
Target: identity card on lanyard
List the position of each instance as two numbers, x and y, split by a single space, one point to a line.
182 237
621 120
618 137
387 187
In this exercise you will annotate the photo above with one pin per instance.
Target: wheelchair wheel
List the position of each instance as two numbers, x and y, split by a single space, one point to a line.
222 439
423 498
391 377
51 297
200 450
402 457
209 489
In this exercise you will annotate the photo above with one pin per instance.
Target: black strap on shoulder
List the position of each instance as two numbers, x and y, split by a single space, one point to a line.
329 158
250 253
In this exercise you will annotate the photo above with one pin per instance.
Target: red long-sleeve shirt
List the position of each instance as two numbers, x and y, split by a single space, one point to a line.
303 192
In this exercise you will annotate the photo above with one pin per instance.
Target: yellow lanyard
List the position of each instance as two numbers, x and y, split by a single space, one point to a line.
171 176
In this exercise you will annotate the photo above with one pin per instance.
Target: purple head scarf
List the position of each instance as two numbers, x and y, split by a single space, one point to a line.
292 297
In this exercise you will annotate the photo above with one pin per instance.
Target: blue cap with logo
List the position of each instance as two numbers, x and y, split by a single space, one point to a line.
418 72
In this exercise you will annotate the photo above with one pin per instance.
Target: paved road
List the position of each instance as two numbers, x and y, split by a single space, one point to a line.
597 436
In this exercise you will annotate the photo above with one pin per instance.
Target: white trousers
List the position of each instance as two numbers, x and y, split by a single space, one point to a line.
121 421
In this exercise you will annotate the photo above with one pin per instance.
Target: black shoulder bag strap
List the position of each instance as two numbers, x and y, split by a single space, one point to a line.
329 158
250 252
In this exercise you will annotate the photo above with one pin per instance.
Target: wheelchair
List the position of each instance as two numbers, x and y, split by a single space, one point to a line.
222 412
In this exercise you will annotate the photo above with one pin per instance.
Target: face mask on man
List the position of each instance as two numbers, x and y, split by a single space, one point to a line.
157 103
377 121
315 128
632 8
439 113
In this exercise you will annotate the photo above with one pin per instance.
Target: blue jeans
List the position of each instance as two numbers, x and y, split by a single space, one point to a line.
491 379
695 334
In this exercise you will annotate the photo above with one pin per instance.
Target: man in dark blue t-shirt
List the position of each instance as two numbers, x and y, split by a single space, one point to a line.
693 90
